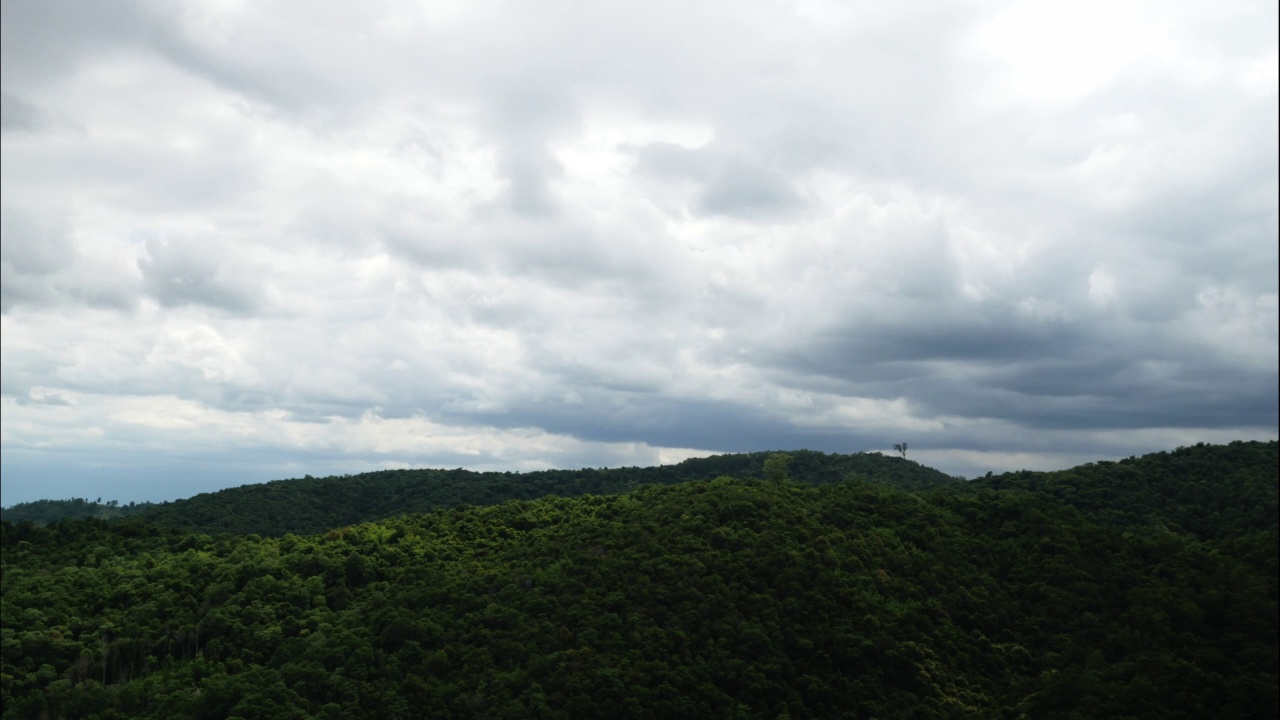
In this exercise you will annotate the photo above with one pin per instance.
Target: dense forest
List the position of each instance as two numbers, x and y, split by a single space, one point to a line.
311 505
1140 589
47 511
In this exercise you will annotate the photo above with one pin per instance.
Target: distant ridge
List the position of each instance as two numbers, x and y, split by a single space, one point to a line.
1209 491
310 505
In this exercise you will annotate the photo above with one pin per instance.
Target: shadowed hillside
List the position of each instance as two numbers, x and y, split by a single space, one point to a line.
1209 491
709 598
314 504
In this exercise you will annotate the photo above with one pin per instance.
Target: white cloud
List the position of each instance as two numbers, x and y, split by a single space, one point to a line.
395 233
1060 50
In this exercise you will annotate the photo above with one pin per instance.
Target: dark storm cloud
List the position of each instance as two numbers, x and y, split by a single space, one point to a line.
1072 378
840 352
675 422
1189 400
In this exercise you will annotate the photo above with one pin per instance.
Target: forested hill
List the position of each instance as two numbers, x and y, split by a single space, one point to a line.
1209 491
723 598
44 512
311 505
1206 490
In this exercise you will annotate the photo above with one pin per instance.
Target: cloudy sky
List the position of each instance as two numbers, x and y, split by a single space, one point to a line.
245 241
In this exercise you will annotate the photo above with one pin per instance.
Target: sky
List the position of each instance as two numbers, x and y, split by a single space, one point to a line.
248 241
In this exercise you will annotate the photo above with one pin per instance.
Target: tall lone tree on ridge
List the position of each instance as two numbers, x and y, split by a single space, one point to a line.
902 448
775 467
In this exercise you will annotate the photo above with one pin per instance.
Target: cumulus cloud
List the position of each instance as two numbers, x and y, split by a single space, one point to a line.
194 272
32 246
494 235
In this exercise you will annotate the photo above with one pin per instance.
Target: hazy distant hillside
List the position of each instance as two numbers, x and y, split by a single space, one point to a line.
1078 597
47 511
316 504
1207 490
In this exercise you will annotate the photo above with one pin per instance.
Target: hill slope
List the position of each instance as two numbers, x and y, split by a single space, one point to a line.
311 505
44 512
722 598
1209 491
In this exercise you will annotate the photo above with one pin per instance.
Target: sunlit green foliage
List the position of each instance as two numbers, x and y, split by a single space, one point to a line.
775 467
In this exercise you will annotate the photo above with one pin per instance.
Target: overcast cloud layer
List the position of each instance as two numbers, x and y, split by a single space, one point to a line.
244 241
